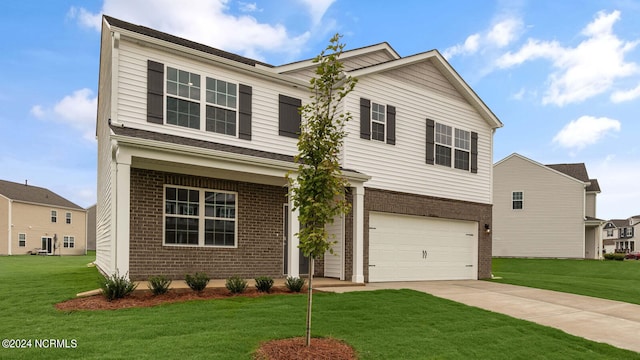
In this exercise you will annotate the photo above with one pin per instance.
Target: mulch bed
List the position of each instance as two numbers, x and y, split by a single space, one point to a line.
282 349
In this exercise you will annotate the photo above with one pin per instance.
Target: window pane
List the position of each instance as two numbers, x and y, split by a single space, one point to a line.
443 155
461 160
377 131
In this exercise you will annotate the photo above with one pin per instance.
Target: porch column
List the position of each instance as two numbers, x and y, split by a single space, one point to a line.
358 234
293 255
123 212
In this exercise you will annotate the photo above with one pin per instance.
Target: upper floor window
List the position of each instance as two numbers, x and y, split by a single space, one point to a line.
610 232
451 147
200 217
192 100
443 144
517 199
378 122
183 96
68 218
54 216
22 240
221 115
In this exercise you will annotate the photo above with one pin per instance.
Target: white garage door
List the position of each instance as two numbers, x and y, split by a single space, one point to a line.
410 248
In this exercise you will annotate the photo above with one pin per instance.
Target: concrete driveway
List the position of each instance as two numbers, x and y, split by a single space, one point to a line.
612 322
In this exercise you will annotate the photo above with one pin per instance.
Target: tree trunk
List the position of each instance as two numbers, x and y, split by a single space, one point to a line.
309 300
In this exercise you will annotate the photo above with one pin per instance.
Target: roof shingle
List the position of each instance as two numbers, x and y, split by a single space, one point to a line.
34 194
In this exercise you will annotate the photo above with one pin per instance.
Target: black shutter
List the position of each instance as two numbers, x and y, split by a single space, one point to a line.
391 125
155 92
244 116
474 152
365 119
431 133
289 116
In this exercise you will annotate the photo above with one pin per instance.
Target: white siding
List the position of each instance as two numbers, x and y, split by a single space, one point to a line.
132 106
590 209
402 167
425 75
551 223
104 241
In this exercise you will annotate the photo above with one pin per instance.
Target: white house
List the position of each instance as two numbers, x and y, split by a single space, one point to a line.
194 144
545 211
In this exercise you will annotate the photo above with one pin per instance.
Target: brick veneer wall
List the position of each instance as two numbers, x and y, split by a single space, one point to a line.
260 226
411 204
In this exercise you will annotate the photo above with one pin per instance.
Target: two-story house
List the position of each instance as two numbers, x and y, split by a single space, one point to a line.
35 220
545 211
194 144
619 234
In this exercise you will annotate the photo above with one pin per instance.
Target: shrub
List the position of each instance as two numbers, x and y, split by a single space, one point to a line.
116 286
197 281
614 256
264 283
159 284
294 284
236 285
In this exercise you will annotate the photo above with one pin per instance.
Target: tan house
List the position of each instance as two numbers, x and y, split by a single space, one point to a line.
34 220
545 211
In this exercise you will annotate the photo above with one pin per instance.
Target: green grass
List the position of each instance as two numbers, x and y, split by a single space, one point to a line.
614 280
388 324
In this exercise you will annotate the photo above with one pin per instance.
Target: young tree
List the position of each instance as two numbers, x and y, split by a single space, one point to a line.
318 188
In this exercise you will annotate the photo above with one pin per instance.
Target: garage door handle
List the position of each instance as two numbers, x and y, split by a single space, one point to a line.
469 265
371 265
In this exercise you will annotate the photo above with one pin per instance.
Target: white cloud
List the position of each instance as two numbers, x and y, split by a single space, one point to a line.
584 131
628 95
210 22
317 8
501 34
77 110
584 71
248 7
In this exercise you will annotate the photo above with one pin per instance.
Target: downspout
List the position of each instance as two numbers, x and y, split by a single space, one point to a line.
9 227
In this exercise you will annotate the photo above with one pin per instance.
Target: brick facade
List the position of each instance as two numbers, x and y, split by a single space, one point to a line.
259 239
411 204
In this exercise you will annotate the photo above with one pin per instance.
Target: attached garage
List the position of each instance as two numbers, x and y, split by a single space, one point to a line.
414 248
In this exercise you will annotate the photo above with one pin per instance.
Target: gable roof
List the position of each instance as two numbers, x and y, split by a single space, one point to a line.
578 171
143 30
542 166
34 194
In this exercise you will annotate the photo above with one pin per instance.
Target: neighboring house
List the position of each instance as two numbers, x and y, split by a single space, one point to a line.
545 211
194 144
37 220
91 228
619 234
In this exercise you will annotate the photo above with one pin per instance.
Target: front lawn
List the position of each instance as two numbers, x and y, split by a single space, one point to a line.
388 324
614 280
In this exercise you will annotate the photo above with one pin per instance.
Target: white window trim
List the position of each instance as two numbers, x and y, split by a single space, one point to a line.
25 240
522 200
201 217
67 240
452 146
384 123
67 218
202 103
54 214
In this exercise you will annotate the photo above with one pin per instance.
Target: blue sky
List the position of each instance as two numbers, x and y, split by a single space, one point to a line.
563 76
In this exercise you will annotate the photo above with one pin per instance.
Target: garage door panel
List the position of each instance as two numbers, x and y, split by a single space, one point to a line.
421 248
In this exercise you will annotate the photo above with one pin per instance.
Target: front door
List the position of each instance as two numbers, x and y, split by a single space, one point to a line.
304 261
47 244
